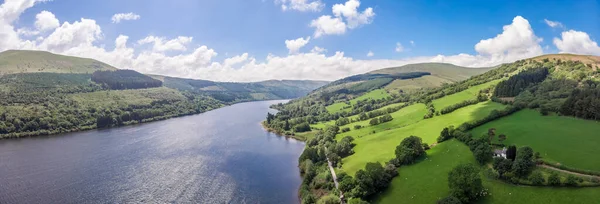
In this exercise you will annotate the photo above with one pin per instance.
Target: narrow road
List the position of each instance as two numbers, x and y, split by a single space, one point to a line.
567 171
335 181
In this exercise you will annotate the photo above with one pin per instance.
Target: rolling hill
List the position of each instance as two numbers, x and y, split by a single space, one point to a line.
547 107
27 61
44 93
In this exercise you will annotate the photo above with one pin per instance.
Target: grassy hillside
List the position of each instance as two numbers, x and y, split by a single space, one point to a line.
26 61
445 71
43 93
569 141
510 98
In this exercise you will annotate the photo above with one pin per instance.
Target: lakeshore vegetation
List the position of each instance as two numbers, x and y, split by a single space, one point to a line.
519 132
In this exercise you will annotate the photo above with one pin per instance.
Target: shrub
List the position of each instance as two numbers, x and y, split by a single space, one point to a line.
346 129
356 127
536 178
409 150
571 180
554 179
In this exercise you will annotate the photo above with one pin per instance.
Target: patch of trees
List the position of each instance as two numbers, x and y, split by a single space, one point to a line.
457 106
302 127
409 150
125 79
382 119
430 111
465 184
519 82
520 168
583 103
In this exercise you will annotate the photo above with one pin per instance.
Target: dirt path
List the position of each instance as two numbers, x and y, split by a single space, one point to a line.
335 181
567 171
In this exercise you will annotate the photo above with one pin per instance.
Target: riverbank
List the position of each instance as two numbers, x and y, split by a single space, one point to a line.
282 134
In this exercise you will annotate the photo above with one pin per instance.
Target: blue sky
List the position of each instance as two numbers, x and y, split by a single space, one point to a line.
261 27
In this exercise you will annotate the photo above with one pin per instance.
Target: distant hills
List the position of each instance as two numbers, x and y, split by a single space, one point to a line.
44 93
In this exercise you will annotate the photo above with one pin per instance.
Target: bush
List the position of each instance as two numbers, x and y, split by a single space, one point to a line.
356 127
302 127
346 129
571 180
465 183
409 150
374 121
537 178
554 179
329 199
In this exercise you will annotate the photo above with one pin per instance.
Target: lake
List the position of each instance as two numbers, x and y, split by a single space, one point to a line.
221 156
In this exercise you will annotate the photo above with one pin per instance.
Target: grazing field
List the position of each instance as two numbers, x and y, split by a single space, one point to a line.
25 61
417 83
380 147
322 125
570 141
403 117
105 99
375 94
427 180
470 93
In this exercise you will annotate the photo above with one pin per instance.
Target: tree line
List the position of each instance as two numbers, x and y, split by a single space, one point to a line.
125 79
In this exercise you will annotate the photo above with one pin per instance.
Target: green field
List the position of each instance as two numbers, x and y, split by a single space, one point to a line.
26 61
470 93
375 94
416 83
405 116
322 125
570 141
380 147
427 181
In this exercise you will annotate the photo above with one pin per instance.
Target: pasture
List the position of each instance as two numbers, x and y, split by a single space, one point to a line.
566 140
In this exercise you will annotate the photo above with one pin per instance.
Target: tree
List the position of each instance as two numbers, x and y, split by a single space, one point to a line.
502 166
444 135
554 179
449 200
371 180
374 121
491 134
347 184
287 125
465 183
329 199
302 127
571 180
357 201
511 152
524 162
537 178
409 150
501 137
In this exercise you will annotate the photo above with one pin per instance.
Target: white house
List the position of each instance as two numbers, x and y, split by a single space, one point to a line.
500 153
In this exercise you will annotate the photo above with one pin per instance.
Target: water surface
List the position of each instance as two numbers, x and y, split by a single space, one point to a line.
222 156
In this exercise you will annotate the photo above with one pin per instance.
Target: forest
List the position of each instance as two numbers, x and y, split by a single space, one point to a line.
125 79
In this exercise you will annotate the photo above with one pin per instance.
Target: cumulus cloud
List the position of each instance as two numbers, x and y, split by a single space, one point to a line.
350 12
553 24
516 41
117 18
301 5
318 50
576 42
327 25
370 54
160 44
295 45
345 16
399 47
46 20
82 38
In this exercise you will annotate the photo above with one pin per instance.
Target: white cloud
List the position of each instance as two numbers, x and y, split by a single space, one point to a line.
318 50
295 45
350 13
370 54
553 24
45 21
301 5
412 43
81 38
345 16
516 41
399 47
117 18
576 42
326 25
160 44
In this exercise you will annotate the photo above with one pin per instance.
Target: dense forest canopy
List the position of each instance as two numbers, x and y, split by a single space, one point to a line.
125 79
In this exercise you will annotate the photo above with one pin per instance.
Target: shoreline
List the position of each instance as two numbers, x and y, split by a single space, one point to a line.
271 130
83 128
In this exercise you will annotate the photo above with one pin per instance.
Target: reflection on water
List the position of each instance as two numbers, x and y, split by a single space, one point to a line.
222 156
